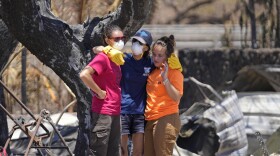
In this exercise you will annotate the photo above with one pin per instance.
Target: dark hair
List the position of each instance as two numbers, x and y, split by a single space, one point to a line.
147 52
108 30
168 42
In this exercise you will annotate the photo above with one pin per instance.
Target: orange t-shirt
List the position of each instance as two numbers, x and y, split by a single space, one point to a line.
159 103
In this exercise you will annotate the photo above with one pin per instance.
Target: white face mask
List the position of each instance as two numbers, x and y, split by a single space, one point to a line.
118 45
136 48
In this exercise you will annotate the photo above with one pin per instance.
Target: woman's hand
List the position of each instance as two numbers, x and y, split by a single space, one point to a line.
174 62
164 71
114 55
97 49
171 90
101 94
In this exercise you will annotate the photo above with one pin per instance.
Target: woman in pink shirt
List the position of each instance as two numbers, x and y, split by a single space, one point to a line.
103 77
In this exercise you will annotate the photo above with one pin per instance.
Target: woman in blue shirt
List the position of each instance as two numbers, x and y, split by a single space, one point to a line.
135 72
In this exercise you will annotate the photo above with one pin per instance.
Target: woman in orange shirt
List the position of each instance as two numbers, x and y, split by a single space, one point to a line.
164 91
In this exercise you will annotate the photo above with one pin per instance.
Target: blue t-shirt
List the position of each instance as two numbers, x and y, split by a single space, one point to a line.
133 84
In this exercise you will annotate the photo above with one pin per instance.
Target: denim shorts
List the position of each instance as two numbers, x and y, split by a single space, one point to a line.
132 123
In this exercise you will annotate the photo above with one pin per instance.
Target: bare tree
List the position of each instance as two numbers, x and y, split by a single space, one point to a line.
181 15
187 12
266 17
251 12
277 38
66 48
7 45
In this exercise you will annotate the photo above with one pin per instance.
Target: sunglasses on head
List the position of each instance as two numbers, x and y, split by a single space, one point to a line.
117 39
135 40
160 42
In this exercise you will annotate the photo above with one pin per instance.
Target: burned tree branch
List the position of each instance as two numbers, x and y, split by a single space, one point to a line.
66 48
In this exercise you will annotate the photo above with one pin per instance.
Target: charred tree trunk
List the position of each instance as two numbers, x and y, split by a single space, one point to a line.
7 45
253 24
277 40
3 121
66 48
23 76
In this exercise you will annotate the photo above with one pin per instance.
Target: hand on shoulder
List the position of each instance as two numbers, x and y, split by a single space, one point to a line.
98 49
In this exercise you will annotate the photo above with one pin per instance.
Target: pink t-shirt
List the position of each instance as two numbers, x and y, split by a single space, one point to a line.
107 76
